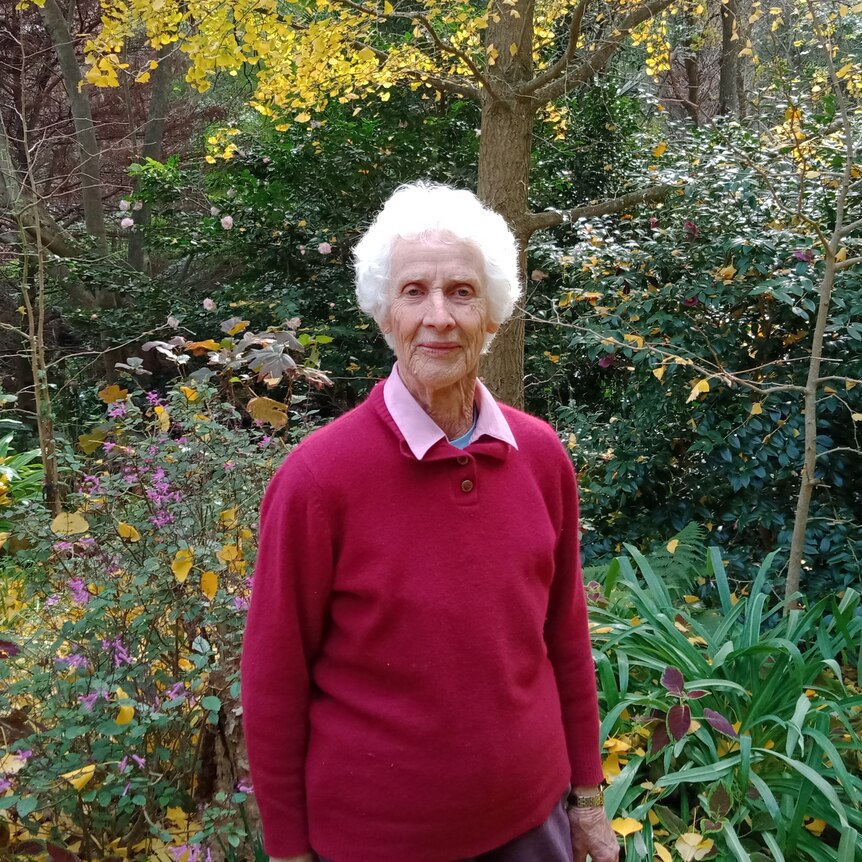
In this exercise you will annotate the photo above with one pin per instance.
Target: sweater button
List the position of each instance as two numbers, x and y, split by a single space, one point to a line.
462 460
467 486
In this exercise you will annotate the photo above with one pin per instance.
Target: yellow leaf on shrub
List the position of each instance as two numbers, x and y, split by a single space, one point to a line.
625 826
699 387
756 408
209 584
113 393
190 392
611 767
659 150
658 373
80 778
163 417
661 852
91 441
856 417
816 827
672 545
69 523
127 531
637 340
228 518
268 410
126 712
182 564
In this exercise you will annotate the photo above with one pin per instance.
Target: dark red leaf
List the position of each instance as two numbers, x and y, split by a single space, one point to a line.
695 693
672 679
719 802
60 854
8 649
678 721
711 825
720 723
29 848
659 738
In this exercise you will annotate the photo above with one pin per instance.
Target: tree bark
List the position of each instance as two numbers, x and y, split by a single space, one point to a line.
154 132
729 51
85 133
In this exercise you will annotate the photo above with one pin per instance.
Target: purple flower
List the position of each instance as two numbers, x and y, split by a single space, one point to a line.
244 787
127 788
141 761
88 701
690 301
52 600
5 784
108 445
120 653
78 590
691 229
75 661
804 254
117 409
607 361
153 398
161 519
240 603
25 753
123 764
264 441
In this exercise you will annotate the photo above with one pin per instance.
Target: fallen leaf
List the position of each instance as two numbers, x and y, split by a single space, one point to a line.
625 826
69 523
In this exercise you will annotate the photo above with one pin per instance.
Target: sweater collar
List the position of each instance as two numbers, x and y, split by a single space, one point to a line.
421 432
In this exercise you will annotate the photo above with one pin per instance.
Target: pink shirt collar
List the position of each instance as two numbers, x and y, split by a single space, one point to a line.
421 432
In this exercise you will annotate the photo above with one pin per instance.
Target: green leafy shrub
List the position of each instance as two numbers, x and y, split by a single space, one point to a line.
732 732
119 678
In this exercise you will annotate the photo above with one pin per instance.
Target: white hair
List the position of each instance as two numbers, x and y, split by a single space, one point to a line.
420 209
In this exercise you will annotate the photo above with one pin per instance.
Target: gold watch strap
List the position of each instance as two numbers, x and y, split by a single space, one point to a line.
596 800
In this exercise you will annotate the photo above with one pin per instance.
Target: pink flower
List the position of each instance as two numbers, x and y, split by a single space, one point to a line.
209 304
127 222
690 301
653 221
124 206
227 222
138 205
173 322
607 361
538 275
214 211
325 248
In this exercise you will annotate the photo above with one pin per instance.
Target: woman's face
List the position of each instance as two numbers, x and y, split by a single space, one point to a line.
438 314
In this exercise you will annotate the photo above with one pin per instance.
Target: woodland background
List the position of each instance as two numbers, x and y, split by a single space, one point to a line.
181 184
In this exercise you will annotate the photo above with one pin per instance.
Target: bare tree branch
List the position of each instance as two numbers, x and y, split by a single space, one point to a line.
600 57
846 264
654 194
561 65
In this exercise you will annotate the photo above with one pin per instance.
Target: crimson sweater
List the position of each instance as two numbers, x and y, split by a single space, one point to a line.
417 679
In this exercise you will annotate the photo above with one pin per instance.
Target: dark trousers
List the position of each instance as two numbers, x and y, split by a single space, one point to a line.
549 842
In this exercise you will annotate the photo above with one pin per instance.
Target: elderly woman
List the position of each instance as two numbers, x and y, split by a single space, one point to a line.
417 678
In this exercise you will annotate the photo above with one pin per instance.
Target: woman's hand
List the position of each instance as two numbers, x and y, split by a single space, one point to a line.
592 834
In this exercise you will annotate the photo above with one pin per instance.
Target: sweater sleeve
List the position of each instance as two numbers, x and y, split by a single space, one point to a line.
568 641
290 594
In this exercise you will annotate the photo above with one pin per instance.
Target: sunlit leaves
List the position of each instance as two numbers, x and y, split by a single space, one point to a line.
626 826
268 410
113 393
698 388
209 584
126 712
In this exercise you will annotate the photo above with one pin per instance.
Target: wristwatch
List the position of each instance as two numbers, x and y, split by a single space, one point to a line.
595 800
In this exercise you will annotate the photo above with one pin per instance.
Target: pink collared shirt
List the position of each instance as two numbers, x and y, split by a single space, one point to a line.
421 432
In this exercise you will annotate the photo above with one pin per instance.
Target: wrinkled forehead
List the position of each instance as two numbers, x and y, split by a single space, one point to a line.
436 249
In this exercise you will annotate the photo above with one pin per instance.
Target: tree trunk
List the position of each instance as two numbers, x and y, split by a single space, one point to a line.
807 479
85 133
504 176
154 132
729 51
